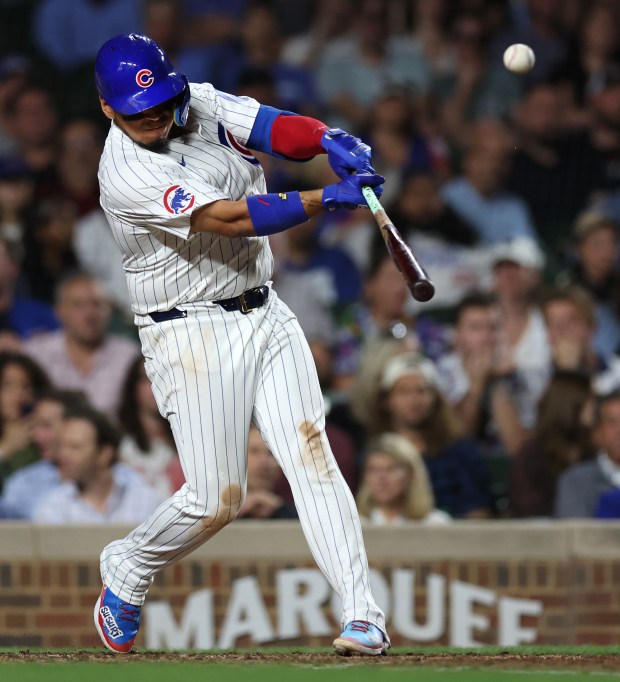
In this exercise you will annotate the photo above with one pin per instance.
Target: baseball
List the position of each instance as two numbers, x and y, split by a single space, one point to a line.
519 58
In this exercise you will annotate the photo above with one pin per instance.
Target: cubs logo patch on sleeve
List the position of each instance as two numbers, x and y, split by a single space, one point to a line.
178 200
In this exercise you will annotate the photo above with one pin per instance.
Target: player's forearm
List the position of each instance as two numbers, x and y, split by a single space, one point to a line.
312 201
227 218
264 214
235 218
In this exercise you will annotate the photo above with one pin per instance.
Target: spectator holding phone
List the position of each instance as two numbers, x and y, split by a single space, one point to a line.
21 379
23 489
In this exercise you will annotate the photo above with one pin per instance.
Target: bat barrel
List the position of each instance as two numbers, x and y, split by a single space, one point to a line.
423 290
419 283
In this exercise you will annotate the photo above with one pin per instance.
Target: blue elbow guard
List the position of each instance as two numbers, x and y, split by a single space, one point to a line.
260 136
272 213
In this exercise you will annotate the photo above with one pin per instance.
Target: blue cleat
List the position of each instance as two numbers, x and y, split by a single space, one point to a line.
360 637
117 622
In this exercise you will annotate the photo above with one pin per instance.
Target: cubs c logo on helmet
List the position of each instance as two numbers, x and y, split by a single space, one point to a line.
144 78
177 200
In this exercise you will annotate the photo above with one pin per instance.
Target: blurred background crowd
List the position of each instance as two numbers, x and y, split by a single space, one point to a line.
500 398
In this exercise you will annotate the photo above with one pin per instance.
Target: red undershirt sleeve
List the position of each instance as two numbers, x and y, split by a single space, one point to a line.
297 137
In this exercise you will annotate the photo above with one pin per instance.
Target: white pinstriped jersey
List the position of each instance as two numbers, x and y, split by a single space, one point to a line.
148 198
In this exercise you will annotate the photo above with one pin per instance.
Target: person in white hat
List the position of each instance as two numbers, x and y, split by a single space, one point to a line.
411 405
517 268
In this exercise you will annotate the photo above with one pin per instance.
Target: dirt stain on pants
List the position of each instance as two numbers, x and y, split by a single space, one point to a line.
315 453
231 500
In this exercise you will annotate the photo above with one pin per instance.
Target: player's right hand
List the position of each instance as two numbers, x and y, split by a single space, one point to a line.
348 192
346 153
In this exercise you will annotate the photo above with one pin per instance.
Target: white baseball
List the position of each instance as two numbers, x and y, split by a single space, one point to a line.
519 58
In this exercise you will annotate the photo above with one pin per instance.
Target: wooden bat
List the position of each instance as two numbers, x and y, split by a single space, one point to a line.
419 283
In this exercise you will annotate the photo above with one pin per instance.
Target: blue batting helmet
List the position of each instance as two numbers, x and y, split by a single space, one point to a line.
134 74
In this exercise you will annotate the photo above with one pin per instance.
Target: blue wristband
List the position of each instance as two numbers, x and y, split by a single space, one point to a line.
271 213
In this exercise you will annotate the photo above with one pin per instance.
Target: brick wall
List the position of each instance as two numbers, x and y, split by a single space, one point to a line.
48 601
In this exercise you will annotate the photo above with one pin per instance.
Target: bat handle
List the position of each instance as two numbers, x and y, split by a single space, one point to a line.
371 200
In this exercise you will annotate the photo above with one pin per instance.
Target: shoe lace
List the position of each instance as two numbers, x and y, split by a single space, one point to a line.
129 612
360 625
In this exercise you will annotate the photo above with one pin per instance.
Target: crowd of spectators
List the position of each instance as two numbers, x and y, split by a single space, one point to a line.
499 398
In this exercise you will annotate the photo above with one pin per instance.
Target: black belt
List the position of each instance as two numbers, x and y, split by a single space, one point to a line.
244 303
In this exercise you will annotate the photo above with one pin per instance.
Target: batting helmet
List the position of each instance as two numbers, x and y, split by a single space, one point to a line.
134 74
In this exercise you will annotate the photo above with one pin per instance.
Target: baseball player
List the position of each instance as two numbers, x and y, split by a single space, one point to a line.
187 203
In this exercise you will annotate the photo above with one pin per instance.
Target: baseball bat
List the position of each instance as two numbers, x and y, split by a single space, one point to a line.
419 283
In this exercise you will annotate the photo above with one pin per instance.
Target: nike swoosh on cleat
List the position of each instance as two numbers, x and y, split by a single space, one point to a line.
182 161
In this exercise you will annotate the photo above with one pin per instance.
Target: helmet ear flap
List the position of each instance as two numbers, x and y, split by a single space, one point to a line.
181 111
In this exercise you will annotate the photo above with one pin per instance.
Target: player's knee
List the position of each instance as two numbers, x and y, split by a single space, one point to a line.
223 510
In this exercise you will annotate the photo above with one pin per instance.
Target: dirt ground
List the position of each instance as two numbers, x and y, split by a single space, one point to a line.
583 662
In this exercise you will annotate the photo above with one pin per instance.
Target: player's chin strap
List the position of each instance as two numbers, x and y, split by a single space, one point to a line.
182 110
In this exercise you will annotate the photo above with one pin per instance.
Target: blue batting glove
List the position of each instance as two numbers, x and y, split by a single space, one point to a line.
346 154
348 192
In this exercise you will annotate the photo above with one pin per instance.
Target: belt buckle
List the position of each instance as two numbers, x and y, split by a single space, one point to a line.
245 309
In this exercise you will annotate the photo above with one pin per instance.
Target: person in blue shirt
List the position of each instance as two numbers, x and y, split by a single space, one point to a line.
19 315
479 196
315 280
94 488
69 32
260 47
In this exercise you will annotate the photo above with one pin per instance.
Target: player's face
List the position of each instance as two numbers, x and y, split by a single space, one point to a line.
149 128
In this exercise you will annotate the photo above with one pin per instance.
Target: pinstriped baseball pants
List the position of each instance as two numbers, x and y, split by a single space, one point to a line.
213 373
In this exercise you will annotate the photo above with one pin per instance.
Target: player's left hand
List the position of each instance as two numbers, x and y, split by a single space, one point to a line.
348 192
346 154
